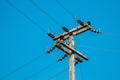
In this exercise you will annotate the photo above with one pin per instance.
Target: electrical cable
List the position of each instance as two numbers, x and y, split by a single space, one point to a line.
33 60
58 74
71 14
29 18
100 49
112 35
40 71
82 76
61 72
21 67
38 6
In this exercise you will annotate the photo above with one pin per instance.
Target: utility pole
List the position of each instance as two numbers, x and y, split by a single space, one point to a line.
71 63
68 48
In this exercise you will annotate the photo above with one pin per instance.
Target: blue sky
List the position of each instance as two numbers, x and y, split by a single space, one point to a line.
22 41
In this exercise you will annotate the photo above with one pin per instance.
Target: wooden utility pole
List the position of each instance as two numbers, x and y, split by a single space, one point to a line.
68 48
71 60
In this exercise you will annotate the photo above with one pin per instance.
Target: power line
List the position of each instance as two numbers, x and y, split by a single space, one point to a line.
62 71
112 35
71 14
100 49
29 18
58 74
21 67
82 75
38 6
40 71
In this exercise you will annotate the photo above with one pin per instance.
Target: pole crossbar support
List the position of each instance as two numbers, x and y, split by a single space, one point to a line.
76 30
67 52
72 49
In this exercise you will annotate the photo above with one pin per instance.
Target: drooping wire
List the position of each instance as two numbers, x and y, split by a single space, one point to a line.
112 35
40 71
26 16
69 12
61 72
81 72
22 66
38 6
100 49
58 74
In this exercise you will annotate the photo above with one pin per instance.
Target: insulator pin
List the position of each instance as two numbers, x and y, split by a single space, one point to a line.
95 31
80 22
51 35
89 23
62 58
51 49
65 29
76 63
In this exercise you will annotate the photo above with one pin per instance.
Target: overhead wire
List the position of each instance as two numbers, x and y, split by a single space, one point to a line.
40 71
21 67
41 30
26 16
41 9
58 74
69 12
112 35
109 34
36 58
81 72
100 49
64 70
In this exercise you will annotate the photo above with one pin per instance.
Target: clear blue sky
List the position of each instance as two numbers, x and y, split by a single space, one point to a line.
22 41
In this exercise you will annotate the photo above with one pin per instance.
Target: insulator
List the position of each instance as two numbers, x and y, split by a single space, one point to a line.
59 60
98 32
70 33
80 22
65 29
51 35
61 37
76 63
95 31
47 51
53 47
65 55
51 50
92 30
89 23
67 43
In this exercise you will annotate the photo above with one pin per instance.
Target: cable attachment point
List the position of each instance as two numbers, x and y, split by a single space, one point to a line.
65 29
67 43
50 50
61 37
89 23
76 63
95 31
80 22
51 35
60 59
